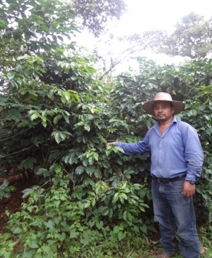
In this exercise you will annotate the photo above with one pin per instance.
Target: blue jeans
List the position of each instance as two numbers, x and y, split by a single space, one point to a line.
176 217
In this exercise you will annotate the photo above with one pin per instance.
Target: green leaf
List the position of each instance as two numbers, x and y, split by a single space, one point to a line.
60 135
87 127
33 244
104 210
124 196
10 76
57 137
58 168
3 24
88 182
61 237
143 228
57 118
67 96
91 160
115 197
97 173
4 184
116 229
125 215
27 192
34 116
49 224
119 149
96 156
79 170
121 235
17 230
66 117
89 170
28 163
73 233
99 224
51 93
42 171
93 202
90 117
91 223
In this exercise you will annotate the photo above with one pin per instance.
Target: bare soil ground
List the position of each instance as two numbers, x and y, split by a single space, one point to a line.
12 204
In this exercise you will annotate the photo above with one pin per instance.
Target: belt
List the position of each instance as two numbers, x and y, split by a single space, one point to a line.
167 180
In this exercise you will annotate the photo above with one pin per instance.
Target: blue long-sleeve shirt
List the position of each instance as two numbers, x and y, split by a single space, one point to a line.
177 152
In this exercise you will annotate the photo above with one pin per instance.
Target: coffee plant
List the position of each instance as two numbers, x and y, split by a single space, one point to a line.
83 198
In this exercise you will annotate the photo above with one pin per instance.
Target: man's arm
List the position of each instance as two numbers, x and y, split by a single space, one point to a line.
194 159
133 148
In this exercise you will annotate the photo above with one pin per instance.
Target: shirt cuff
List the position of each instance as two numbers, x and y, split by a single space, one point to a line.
191 178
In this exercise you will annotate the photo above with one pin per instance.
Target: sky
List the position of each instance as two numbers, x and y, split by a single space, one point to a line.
143 15
160 14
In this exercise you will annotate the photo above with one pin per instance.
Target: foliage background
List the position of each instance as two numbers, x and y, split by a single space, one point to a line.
83 198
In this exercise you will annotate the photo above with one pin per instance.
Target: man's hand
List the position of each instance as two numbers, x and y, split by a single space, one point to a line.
188 189
111 143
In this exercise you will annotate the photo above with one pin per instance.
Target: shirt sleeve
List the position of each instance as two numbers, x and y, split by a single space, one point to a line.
135 148
193 153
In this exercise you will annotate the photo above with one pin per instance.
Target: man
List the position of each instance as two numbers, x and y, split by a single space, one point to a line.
176 164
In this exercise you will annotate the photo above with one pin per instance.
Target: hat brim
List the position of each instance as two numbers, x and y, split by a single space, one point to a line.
178 106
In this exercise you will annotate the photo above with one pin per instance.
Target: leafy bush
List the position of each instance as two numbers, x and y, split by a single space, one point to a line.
101 182
6 189
54 223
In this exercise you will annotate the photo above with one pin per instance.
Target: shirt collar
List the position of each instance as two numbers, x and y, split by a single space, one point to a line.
174 120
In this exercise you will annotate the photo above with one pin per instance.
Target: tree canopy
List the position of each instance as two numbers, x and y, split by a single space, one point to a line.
192 37
34 27
95 13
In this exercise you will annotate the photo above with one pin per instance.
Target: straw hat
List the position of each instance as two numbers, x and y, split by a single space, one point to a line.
163 96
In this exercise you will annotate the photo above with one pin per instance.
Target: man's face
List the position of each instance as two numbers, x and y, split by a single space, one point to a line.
163 110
